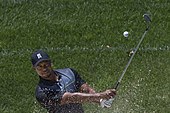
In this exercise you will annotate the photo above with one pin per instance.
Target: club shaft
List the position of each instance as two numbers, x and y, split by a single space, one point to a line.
130 60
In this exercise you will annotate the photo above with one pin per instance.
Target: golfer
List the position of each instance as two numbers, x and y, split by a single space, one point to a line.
63 90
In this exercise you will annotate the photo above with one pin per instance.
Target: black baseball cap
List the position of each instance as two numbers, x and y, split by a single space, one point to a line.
38 57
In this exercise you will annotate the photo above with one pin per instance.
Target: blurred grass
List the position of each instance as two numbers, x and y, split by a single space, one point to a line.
86 35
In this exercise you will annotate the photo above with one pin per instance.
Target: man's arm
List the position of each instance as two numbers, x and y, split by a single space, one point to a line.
84 97
81 85
85 88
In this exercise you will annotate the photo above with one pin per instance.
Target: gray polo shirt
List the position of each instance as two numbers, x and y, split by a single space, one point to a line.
49 93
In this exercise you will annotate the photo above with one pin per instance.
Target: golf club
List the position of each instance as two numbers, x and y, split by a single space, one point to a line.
147 20
108 103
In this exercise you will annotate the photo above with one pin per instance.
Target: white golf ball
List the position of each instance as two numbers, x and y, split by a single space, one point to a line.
125 34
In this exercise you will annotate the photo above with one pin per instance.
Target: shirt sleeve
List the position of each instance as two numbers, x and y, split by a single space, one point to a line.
79 80
48 99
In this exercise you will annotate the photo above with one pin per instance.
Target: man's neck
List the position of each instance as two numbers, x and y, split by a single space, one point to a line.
53 76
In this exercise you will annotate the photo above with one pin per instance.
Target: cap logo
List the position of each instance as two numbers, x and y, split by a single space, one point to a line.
39 56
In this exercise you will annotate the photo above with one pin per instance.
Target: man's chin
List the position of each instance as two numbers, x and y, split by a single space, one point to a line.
46 75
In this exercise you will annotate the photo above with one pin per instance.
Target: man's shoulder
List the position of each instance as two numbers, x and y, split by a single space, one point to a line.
67 72
63 69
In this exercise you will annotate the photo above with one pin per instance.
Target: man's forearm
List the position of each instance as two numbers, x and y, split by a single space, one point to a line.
80 98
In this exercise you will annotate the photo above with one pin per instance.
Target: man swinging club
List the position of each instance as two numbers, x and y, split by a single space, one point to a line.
63 90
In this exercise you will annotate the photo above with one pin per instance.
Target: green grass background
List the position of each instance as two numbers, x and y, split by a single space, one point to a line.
87 36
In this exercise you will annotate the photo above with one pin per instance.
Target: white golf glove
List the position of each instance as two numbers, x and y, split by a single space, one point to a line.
106 103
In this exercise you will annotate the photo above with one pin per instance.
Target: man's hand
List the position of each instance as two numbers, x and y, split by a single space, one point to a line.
108 98
108 94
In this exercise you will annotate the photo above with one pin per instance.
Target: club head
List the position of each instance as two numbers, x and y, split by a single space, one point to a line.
147 18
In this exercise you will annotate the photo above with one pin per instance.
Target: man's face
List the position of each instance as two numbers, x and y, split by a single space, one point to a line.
44 69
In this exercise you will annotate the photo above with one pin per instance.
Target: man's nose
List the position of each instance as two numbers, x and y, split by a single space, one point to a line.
45 68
